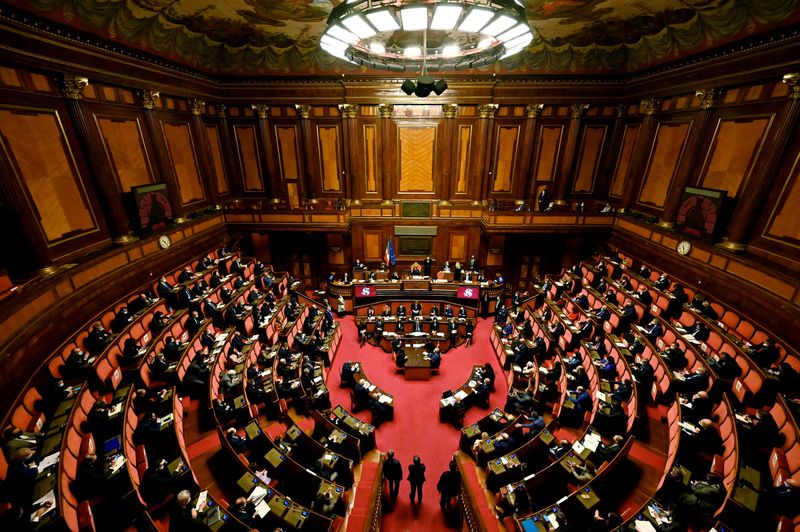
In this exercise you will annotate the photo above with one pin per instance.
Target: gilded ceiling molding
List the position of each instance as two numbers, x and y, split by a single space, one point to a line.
577 110
651 105
487 110
793 82
349 110
222 110
385 110
620 110
450 110
708 97
534 110
197 106
261 109
149 98
303 109
72 86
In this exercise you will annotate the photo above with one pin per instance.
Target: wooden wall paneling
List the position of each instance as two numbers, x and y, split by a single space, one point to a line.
623 159
734 148
248 155
270 164
164 171
352 166
505 156
329 146
208 172
50 180
335 247
446 145
590 156
527 155
101 166
667 150
462 157
216 159
457 248
124 148
548 155
387 143
641 150
372 175
290 166
563 183
230 152
309 175
182 152
372 249
757 187
486 114
417 149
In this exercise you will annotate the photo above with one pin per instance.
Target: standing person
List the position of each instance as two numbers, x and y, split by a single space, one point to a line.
341 306
393 472
416 478
449 486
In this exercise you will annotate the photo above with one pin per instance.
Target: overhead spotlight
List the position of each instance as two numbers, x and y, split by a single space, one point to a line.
423 86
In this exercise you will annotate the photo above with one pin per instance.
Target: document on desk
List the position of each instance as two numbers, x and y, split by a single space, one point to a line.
48 500
460 395
262 509
202 498
644 526
551 518
48 461
385 399
257 495
578 447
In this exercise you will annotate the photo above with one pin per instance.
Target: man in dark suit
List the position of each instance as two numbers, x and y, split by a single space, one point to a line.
416 309
674 356
449 486
164 289
472 265
654 330
121 320
393 473
416 478
426 265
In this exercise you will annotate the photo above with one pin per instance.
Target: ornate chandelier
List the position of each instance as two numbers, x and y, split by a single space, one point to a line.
402 35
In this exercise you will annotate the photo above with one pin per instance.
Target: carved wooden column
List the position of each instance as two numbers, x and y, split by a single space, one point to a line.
385 111
230 154
708 99
449 110
641 153
306 182
483 137
148 99
607 171
577 110
271 162
349 114
105 182
751 201
533 112
207 172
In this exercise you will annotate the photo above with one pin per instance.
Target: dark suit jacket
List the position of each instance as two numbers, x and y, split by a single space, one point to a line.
416 473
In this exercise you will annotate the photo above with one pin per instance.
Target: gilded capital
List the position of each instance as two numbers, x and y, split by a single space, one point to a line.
385 110
651 105
534 110
708 97
487 110
450 110
303 109
793 82
197 106
577 110
620 110
72 87
149 98
262 110
349 110
222 110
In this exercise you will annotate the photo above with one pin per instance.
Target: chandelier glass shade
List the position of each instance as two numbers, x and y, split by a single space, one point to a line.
402 35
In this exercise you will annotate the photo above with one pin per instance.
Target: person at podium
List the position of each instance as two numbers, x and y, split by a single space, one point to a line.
417 325
457 272
446 268
427 264
416 309
387 311
462 313
401 311
448 311
472 265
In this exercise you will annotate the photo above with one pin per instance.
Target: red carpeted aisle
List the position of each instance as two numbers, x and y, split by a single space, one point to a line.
416 428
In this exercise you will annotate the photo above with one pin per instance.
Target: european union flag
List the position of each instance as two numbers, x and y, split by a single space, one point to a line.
388 255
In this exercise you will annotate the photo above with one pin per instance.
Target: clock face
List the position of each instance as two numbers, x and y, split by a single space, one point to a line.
164 241
684 247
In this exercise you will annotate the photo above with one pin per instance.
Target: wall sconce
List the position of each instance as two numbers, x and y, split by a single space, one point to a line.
495 251
335 249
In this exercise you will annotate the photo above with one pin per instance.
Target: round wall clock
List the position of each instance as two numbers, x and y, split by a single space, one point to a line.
164 241
684 247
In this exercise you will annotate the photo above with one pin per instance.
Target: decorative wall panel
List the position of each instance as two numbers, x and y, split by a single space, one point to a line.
624 159
215 148
464 143
783 224
417 145
372 245
124 146
504 156
184 161
35 143
590 151
548 151
664 157
287 151
458 247
734 148
249 162
329 168
370 157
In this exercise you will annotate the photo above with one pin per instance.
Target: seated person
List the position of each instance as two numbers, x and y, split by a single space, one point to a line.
401 311
725 366
97 339
764 354
448 311
387 311
534 423
704 495
416 309
435 358
243 510
237 442
583 473
674 356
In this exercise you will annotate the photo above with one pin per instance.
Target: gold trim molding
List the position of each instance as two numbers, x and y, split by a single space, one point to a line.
577 110
534 110
303 109
349 110
385 110
72 86
149 98
708 97
651 105
792 80
450 110
261 109
487 110
197 106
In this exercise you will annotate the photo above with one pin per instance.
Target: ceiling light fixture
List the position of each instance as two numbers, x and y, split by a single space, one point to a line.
460 34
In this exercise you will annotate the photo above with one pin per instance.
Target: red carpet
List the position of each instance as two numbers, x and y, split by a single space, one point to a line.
416 428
